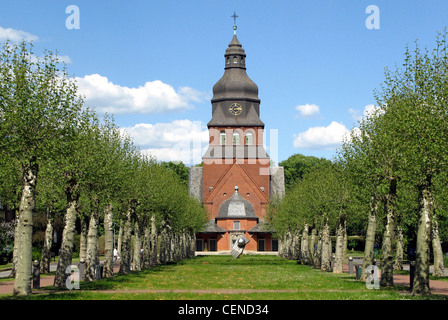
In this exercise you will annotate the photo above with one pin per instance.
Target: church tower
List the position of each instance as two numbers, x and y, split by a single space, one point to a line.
236 178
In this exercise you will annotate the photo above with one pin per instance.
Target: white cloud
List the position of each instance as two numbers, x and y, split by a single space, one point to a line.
19 35
328 137
152 97
16 35
368 110
66 59
181 140
308 110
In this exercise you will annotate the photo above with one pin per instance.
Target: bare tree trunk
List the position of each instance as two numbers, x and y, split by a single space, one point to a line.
285 246
318 256
339 252
137 246
46 250
22 282
83 239
370 237
296 238
421 279
68 240
387 252
398 266
108 267
153 256
326 247
163 240
305 249
92 260
125 266
146 245
313 242
120 237
192 244
437 248
184 254
172 247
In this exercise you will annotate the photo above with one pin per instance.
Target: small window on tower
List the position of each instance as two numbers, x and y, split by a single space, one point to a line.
222 138
228 60
236 225
235 60
236 138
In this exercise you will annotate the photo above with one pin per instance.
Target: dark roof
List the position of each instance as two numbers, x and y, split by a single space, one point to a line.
261 227
236 207
235 84
235 152
249 117
212 227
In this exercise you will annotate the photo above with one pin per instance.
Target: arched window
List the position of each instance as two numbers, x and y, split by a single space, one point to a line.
235 60
249 138
236 138
222 138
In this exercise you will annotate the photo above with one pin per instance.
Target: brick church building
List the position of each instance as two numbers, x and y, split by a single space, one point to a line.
236 180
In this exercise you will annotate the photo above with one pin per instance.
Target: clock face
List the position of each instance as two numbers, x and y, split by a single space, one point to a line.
235 109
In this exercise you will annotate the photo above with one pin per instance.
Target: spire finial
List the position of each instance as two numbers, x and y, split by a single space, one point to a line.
234 21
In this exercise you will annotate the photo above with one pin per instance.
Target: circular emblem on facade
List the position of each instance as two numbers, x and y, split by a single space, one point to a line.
235 109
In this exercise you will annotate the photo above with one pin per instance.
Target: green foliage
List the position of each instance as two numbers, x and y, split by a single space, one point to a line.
38 104
79 156
6 241
297 165
321 193
179 168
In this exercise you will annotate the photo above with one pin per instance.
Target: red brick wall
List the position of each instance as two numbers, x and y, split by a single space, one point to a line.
224 177
250 175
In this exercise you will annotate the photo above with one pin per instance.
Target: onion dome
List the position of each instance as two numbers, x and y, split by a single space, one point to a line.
235 83
236 207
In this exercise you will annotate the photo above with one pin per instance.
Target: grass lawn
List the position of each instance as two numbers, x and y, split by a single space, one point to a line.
222 277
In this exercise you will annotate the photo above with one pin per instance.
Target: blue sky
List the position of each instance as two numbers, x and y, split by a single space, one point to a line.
154 63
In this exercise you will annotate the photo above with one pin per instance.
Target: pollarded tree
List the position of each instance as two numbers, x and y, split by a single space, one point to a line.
128 195
287 216
370 164
440 214
73 165
320 199
38 108
328 194
112 184
415 103
49 200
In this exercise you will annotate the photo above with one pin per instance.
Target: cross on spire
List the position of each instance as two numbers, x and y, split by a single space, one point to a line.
234 18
